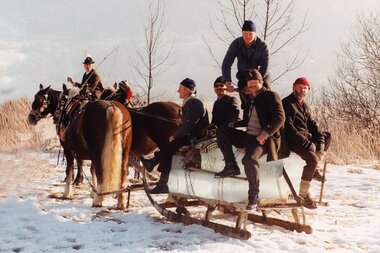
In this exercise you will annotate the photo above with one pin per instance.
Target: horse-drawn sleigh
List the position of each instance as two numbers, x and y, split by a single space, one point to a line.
195 196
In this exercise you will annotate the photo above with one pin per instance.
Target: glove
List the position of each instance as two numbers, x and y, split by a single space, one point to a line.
231 124
312 147
320 147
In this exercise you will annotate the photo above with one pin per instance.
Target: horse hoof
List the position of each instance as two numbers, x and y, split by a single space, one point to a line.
96 205
121 207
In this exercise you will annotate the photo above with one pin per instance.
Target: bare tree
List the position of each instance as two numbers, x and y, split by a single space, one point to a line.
151 57
355 91
276 22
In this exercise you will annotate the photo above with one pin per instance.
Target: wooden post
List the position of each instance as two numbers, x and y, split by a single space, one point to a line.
323 182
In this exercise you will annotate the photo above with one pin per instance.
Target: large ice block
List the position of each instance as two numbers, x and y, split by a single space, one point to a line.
202 184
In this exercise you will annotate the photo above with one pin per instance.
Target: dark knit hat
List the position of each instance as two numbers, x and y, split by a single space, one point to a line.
249 26
220 79
189 83
254 74
88 60
302 80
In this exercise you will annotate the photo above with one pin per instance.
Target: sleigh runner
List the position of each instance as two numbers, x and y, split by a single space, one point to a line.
194 191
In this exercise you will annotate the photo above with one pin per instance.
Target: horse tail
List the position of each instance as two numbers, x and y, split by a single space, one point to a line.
111 157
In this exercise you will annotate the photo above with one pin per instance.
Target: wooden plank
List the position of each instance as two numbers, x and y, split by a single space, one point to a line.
220 228
281 223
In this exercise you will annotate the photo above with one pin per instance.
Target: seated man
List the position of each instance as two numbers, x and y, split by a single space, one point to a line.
304 137
225 108
90 78
193 121
263 123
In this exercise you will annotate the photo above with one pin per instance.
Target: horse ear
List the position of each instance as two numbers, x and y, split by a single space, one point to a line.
45 91
115 85
64 87
41 86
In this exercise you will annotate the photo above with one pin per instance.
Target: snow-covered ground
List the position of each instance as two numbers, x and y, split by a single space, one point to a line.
33 220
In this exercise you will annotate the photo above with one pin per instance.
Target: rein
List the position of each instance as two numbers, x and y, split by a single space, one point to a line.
154 116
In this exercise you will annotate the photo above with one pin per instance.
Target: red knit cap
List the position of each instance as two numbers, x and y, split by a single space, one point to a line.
302 80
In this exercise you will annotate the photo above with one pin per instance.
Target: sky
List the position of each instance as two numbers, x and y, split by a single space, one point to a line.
47 42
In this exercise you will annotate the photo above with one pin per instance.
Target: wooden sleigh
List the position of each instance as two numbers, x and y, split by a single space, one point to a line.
196 197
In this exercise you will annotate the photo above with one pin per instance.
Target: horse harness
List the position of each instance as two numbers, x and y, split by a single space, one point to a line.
38 112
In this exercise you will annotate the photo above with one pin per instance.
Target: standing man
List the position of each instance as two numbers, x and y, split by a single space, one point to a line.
225 108
304 136
263 122
251 53
90 79
193 121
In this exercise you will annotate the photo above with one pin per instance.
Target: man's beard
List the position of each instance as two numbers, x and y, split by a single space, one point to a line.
299 96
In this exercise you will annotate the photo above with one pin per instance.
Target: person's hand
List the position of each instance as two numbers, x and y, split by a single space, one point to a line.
171 138
230 87
312 147
261 139
320 147
70 80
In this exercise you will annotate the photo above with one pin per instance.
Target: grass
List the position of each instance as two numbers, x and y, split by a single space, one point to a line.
15 131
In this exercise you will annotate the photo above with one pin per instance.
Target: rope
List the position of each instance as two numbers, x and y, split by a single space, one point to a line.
128 188
154 116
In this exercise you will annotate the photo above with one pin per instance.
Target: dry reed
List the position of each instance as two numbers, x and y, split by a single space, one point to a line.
15 131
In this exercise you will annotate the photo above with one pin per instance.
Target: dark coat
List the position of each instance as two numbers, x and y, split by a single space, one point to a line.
254 57
194 119
272 118
300 126
224 111
92 79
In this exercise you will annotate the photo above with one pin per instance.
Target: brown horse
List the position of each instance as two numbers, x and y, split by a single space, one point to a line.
45 103
99 131
152 124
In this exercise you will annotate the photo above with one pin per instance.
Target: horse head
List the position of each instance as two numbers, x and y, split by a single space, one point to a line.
108 92
64 100
42 105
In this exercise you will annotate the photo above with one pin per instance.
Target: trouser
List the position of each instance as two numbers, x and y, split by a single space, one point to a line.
165 155
311 158
253 152
227 137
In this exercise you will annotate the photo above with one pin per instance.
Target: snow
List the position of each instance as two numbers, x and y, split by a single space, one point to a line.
35 219
45 42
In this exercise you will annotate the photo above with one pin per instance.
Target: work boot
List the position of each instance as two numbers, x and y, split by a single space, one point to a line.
308 202
317 176
252 202
149 164
160 188
230 170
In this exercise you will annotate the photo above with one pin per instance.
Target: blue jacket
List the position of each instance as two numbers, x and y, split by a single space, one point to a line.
254 57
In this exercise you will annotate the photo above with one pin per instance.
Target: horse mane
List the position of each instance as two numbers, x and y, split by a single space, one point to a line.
73 92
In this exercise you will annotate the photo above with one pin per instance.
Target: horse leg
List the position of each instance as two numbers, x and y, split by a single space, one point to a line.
79 178
97 199
69 175
122 197
94 181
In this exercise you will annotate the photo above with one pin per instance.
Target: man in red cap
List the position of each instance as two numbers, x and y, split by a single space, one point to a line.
304 136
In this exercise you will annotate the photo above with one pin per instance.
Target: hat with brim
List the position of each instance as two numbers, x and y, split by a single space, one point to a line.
88 60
